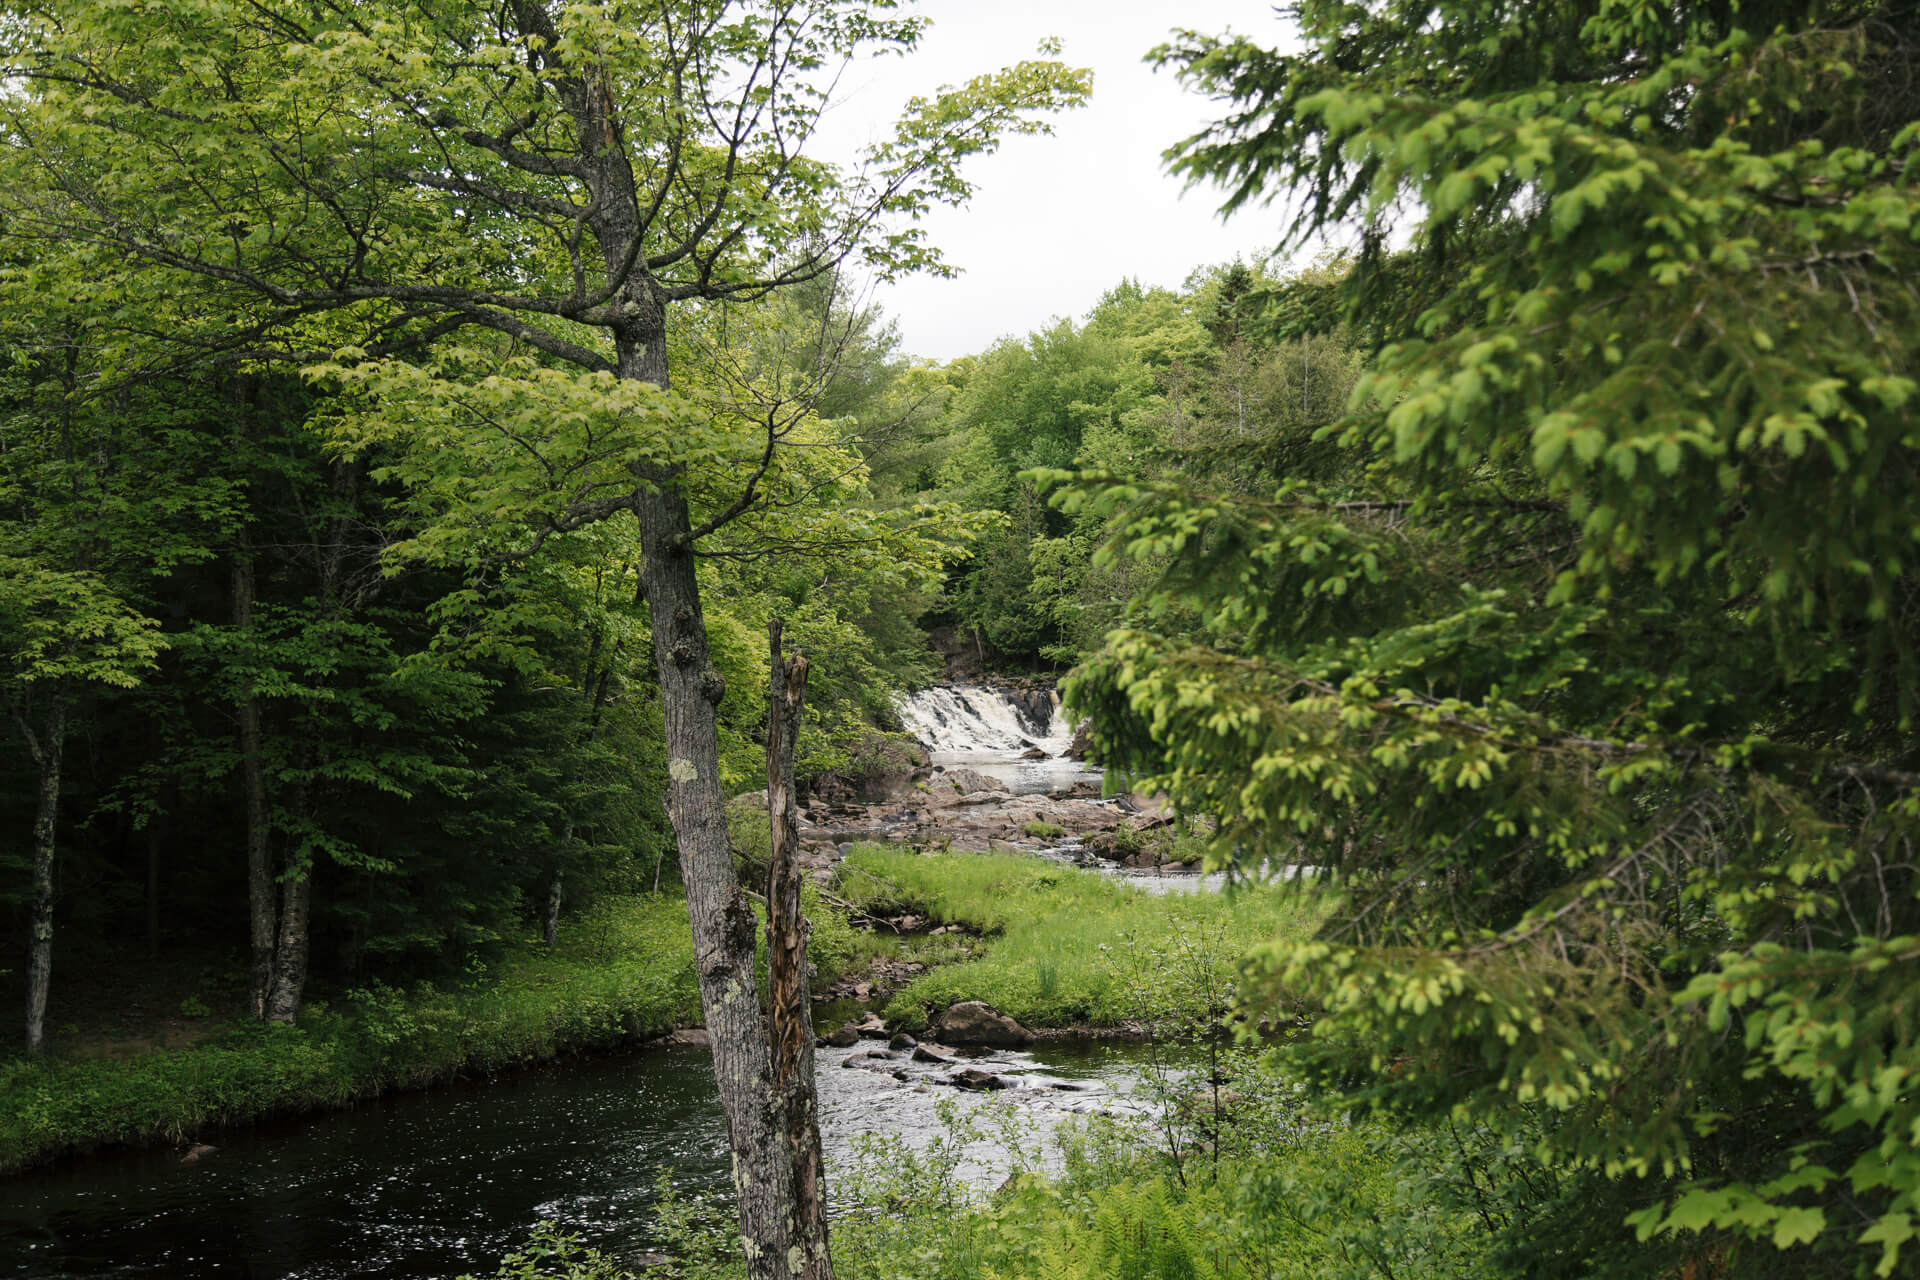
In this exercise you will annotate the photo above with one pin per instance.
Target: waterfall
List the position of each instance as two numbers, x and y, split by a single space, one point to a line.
972 720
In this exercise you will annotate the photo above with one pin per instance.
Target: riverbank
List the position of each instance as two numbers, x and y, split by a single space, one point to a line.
622 972
1057 949
1068 949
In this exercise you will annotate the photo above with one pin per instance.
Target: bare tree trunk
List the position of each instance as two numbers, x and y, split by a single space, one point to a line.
261 915
791 1012
722 921
48 752
553 904
290 951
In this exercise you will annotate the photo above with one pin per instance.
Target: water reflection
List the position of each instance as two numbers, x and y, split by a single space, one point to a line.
432 1184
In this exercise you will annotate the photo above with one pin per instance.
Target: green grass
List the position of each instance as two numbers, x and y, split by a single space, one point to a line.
622 971
1072 947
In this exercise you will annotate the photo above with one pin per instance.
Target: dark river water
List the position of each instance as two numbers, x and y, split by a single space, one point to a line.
446 1181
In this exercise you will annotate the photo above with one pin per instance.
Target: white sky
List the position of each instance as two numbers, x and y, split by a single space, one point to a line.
1057 220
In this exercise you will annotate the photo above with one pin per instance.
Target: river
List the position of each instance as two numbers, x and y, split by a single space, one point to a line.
435 1183
446 1181
439 1182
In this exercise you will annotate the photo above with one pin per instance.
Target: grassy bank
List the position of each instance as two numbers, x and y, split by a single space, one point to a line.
1068 947
622 971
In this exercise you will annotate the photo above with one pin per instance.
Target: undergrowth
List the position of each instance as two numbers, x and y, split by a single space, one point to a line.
1070 947
623 970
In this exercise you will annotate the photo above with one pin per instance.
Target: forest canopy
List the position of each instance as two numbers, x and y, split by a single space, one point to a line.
414 416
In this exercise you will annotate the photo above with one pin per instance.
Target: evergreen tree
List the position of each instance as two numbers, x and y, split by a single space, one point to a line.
1586 680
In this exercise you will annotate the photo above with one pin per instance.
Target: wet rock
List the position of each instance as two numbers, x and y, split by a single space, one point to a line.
977 1080
923 1054
1035 753
966 782
903 1041
846 1037
1068 1086
870 1058
975 1022
880 768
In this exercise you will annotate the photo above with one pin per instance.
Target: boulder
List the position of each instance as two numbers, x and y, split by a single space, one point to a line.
846 1037
923 1054
903 1041
979 1081
1035 753
966 782
870 1057
975 1022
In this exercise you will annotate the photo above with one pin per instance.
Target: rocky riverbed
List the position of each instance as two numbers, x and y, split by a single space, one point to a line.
964 810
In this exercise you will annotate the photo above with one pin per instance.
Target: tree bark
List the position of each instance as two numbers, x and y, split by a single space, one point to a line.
261 913
290 950
48 754
553 902
790 1010
722 921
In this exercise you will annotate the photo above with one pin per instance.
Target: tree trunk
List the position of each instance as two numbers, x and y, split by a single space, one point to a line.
790 1010
261 914
46 822
553 905
722 922
290 952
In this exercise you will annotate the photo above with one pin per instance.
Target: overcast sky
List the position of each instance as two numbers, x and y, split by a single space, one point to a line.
1057 221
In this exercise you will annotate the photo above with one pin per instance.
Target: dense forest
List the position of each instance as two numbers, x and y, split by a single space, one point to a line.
413 420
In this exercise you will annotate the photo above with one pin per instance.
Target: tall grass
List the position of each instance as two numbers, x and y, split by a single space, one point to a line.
623 971
1071 947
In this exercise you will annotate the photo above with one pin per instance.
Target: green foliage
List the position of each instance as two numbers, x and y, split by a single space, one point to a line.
1583 668
553 1254
625 971
1055 927
1300 1198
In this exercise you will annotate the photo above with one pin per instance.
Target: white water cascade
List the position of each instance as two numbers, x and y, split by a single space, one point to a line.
983 728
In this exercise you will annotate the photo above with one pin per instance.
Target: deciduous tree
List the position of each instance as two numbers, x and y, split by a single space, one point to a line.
383 175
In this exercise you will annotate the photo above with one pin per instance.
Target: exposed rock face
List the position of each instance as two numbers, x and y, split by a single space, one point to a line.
1033 701
881 769
963 781
975 1022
